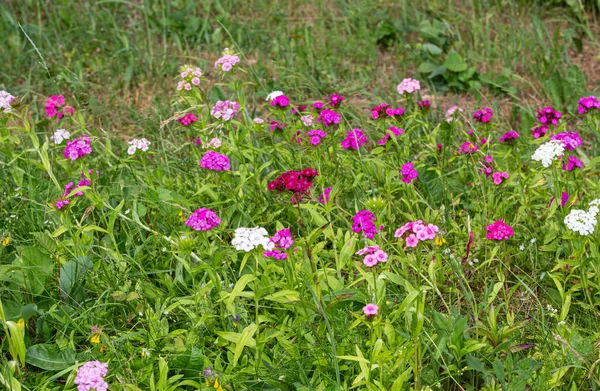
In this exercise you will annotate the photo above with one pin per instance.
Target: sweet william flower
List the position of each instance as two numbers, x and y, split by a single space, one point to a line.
499 230
547 152
90 376
60 135
203 219
5 101
247 239
409 173
588 103
409 86
78 148
484 115
354 139
225 110
370 309
215 161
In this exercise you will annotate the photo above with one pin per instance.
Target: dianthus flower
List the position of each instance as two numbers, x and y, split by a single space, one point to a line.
190 76
307 120
539 131
225 110
424 105
581 221
316 136
5 101
364 221
280 101
378 110
588 103
60 204
408 85
318 105
373 255
391 130
227 62
83 182
329 117
324 197
398 111
570 140
196 140
55 107
136 144
276 125
548 116
187 119
499 230
215 161
499 177
572 162
60 135
409 173
78 148
451 113
547 152
418 231
214 143
297 182
370 309
354 139
484 115
299 109
203 219
90 376
564 198
247 239
468 147
258 120
281 241
510 135
335 100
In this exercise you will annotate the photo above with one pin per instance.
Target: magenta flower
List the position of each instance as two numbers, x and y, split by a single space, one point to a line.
373 255
391 130
276 125
78 148
187 119
280 101
570 140
484 115
564 198
315 136
417 231
225 110
90 376
572 163
409 86
468 147
548 116
215 161
354 139
318 105
60 204
377 111
370 309
282 240
55 107
424 105
409 173
335 100
397 112
510 135
324 197
329 117
499 230
203 219
277 254
588 103
499 177
364 221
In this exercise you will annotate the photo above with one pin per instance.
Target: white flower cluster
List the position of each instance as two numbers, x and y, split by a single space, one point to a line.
273 95
60 135
136 144
547 152
248 239
5 99
581 221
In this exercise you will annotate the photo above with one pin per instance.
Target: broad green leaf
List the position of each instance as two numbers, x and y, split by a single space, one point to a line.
455 63
50 357
38 267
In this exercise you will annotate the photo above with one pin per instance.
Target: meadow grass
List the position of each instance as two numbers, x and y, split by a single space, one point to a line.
117 276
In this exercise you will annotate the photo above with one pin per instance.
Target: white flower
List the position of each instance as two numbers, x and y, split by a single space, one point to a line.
581 221
450 113
214 143
5 99
273 95
131 150
60 135
136 144
522 247
307 120
247 239
258 120
547 152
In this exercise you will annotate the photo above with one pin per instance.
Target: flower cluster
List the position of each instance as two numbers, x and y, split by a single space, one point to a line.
329 117
588 103
484 115
385 109
548 116
335 100
60 135
214 143
547 152
354 139
391 130
408 85
228 61
189 76
316 136
409 173
187 119
373 255
203 219
451 113
307 120
581 221
280 101
510 135
499 177
570 140
5 101
225 110
467 147
571 163
55 107
135 144
364 221
276 125
318 105
324 197
281 241
539 131
215 161
297 182
60 204
90 376
424 105
78 148
417 231
247 239
499 230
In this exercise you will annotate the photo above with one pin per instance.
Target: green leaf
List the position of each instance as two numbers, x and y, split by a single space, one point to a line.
245 339
455 63
50 357
427 67
72 273
38 267
432 49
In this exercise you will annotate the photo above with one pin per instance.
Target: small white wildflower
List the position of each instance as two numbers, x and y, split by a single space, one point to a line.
547 152
581 221
273 95
214 143
532 241
475 260
135 144
60 135
247 239
140 313
522 247
164 249
127 211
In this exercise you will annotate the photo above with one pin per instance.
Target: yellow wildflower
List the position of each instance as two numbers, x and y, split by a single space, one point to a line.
439 240
6 241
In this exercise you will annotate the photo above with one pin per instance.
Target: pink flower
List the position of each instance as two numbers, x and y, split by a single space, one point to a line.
90 376
499 230
468 147
203 219
368 250
78 148
60 204
316 136
54 107
324 197
187 119
258 120
408 85
354 139
364 221
484 115
335 100
225 110
370 260
412 240
409 173
570 140
499 177
510 135
329 117
539 131
588 103
280 101
215 161
227 62
391 130
307 120
572 163
370 309
548 116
